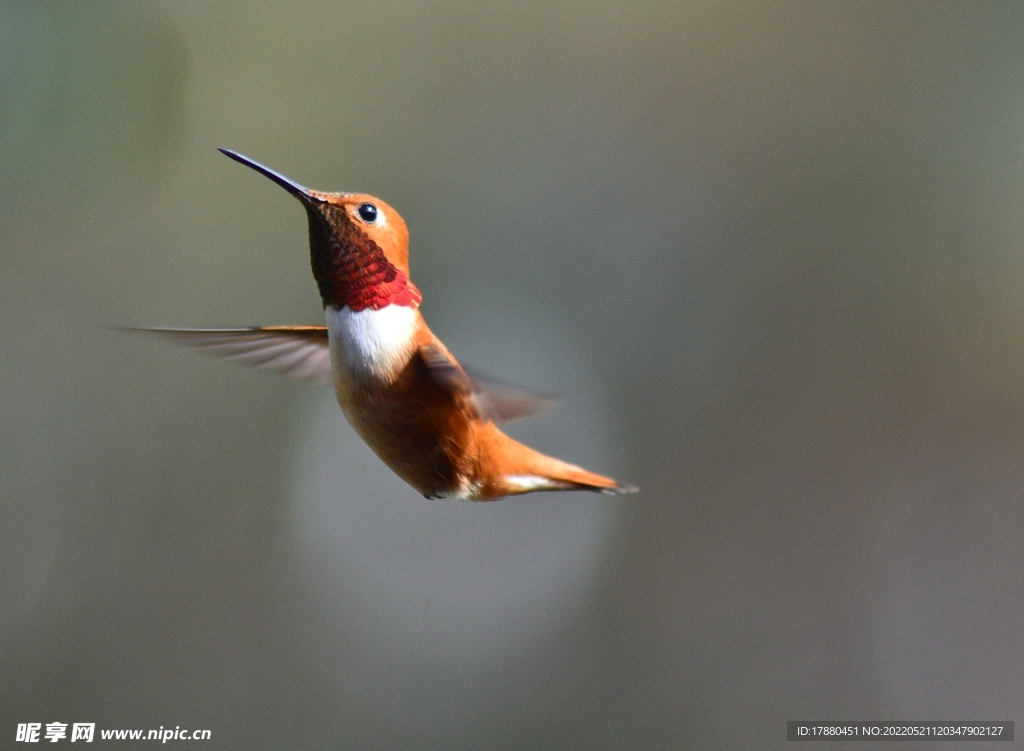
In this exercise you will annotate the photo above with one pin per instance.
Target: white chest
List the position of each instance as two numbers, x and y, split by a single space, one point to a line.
371 343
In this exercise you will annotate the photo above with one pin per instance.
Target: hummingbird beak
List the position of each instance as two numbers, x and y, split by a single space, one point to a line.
303 194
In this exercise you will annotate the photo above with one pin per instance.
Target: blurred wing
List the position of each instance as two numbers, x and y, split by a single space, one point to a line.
491 398
501 401
297 351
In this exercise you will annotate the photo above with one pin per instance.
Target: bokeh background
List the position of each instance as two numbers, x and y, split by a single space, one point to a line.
772 254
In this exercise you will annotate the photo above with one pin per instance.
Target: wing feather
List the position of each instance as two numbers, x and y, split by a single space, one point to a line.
298 351
303 352
491 399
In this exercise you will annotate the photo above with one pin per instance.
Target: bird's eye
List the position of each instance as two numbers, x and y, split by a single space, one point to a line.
367 212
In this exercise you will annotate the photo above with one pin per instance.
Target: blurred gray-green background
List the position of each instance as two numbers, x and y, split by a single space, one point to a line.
773 255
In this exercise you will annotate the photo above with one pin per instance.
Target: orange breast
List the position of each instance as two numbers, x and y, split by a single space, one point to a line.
422 432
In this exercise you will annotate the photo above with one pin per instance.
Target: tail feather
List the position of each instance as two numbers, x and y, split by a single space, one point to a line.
513 469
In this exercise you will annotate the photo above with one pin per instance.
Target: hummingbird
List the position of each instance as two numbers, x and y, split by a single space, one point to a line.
431 420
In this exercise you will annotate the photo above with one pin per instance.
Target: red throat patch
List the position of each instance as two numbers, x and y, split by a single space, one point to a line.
350 268
394 289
